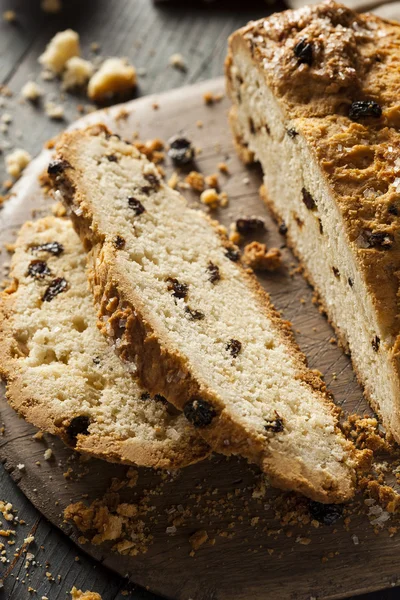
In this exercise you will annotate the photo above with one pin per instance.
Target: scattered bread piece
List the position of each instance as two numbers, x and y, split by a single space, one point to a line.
31 91
79 595
115 75
17 161
63 46
9 16
198 539
258 257
178 62
196 181
51 6
77 72
210 198
54 111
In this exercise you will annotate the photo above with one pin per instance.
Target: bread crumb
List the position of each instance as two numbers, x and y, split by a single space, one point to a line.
6 118
31 91
51 7
212 181
17 161
114 76
210 198
173 180
196 181
178 62
223 167
54 111
198 539
63 46
259 258
77 72
29 539
9 16
79 595
38 436
48 454
210 98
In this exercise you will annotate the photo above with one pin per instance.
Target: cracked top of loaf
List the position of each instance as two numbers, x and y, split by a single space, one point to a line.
319 59
336 75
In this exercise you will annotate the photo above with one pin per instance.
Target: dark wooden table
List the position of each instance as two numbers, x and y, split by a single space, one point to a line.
148 35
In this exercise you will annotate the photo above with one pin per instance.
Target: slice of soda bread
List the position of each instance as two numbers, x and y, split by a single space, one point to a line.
61 373
177 304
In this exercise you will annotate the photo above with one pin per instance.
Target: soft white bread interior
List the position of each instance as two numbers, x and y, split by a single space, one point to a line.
63 376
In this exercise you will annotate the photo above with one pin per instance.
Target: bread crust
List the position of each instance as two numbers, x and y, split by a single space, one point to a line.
165 371
165 454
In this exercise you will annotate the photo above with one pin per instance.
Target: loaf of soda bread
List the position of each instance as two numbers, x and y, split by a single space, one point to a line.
176 302
315 100
61 373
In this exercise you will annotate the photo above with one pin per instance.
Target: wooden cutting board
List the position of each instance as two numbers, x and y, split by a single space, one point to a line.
253 555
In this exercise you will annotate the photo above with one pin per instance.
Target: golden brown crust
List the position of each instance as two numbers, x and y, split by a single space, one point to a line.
165 371
353 57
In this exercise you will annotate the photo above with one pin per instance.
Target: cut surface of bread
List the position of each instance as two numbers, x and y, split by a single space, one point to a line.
201 332
61 373
315 100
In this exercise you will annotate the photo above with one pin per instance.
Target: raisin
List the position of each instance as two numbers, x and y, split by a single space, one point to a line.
234 347
276 425
249 225
181 151
199 412
283 228
327 514
153 181
232 254
378 239
303 50
336 272
119 242
78 426
52 247
350 281
57 166
308 199
393 210
376 343
58 285
214 274
112 157
178 289
194 315
252 126
136 206
292 132
38 269
145 396
364 108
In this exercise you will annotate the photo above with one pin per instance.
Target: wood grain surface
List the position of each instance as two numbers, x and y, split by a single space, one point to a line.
148 35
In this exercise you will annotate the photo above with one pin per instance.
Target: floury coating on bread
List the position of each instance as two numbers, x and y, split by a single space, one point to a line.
199 329
316 91
61 373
